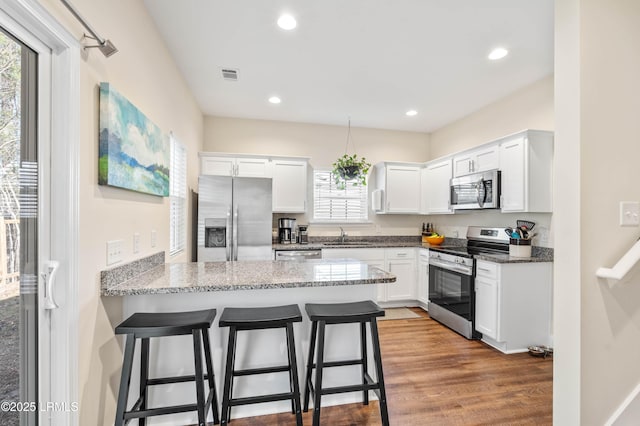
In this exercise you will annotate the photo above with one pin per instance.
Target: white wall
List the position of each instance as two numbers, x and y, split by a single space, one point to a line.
600 46
528 108
144 72
324 144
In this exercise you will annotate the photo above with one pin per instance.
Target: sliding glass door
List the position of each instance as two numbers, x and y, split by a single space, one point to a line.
19 233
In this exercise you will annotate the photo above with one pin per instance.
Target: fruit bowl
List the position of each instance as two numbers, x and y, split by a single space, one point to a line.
434 240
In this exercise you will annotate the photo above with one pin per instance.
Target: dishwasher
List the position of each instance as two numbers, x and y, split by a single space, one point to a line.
298 255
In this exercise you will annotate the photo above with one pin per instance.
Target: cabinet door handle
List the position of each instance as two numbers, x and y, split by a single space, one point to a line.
401 254
484 269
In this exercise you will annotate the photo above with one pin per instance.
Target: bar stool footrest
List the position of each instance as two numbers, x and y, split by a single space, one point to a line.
339 363
264 370
160 411
261 398
176 379
350 388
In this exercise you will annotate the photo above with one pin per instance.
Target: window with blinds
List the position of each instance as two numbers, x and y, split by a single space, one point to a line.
331 204
178 197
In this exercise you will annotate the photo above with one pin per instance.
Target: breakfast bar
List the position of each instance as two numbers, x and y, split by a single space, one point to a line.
150 285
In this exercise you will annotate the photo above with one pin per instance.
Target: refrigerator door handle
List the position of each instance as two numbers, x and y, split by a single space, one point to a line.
235 234
228 234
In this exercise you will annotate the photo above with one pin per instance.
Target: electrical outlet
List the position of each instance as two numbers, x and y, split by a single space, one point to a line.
114 251
154 238
136 242
629 213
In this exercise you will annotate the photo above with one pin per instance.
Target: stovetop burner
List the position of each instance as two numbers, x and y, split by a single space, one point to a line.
480 240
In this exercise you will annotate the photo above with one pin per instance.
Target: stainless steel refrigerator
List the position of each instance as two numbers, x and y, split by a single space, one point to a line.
234 218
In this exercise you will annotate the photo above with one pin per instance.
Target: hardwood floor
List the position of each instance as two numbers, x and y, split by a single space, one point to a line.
436 377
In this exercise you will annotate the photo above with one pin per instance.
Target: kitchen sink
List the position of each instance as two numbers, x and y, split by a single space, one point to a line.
348 243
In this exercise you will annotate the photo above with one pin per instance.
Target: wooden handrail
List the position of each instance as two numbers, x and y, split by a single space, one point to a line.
623 266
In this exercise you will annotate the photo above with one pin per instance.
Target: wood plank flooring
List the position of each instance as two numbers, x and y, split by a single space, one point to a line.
436 377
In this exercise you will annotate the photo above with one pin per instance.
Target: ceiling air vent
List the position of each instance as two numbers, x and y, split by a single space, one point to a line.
230 74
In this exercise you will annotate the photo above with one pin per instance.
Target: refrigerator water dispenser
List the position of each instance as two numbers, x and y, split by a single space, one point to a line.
215 233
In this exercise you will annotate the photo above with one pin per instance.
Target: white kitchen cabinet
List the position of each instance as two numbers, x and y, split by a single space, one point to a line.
436 177
223 165
526 163
513 304
481 159
401 262
400 185
289 186
423 278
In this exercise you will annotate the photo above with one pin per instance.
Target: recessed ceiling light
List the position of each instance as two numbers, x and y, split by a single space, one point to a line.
498 53
287 22
411 112
274 100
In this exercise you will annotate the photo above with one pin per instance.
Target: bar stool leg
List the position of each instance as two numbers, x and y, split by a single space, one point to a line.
363 351
210 376
290 371
307 379
293 365
225 416
317 395
125 379
384 414
144 377
199 379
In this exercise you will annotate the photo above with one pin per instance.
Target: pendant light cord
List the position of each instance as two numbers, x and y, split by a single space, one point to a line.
346 148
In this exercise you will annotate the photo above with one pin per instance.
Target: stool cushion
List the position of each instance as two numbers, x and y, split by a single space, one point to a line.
343 312
256 318
155 324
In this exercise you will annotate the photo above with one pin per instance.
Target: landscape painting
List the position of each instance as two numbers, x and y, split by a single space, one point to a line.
134 153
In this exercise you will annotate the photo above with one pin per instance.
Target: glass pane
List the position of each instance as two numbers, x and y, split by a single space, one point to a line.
18 230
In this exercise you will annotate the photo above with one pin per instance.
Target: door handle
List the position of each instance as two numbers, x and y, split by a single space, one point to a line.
235 234
228 234
49 277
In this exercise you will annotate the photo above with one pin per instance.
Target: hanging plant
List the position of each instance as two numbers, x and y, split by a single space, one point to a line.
350 168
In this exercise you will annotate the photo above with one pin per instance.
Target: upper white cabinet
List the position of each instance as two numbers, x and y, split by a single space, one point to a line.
477 160
526 164
435 187
289 186
289 175
220 165
400 185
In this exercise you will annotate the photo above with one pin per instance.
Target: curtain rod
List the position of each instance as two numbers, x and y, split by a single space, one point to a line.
104 45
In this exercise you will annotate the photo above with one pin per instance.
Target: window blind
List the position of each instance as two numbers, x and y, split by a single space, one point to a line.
331 204
178 197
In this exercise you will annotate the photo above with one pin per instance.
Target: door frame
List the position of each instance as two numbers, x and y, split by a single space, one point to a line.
29 18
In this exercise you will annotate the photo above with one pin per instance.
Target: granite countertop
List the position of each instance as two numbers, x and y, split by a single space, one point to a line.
539 254
246 275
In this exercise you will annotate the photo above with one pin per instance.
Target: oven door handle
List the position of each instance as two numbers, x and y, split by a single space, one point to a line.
450 267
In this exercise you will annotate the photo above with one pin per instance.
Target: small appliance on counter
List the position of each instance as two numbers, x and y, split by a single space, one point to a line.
286 230
303 234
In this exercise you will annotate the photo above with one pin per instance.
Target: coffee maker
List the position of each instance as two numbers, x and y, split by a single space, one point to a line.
303 234
286 230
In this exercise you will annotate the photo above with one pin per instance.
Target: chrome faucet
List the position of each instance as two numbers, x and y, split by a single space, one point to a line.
343 235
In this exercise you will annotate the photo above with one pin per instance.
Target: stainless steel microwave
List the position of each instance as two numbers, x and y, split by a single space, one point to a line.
476 191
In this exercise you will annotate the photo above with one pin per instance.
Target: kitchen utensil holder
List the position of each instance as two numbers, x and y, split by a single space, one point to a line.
519 247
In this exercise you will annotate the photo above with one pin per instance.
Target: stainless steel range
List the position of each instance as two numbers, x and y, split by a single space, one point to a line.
452 276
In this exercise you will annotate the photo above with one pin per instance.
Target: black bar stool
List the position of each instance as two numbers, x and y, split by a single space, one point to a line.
259 319
146 325
344 313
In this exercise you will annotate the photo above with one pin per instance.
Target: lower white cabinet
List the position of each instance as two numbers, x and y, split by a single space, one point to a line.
401 262
513 304
423 277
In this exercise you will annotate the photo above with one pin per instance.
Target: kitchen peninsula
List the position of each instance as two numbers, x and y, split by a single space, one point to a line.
150 285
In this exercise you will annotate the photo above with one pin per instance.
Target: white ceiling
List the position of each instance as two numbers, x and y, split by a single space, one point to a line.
371 60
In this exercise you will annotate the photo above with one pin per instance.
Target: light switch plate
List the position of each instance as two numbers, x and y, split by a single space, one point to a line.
629 213
154 238
136 242
114 251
